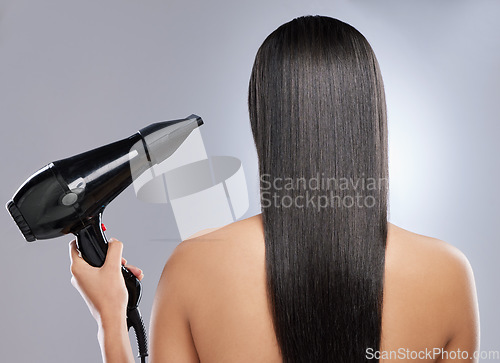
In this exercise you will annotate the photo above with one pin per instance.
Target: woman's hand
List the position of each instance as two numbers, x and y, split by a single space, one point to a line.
102 288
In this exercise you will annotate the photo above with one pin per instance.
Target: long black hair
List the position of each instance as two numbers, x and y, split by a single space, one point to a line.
318 117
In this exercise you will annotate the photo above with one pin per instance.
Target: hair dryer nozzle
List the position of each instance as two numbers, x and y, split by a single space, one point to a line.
162 139
198 118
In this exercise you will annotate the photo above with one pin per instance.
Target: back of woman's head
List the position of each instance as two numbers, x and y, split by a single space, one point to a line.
317 111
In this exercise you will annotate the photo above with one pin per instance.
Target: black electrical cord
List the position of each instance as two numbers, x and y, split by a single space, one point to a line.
134 319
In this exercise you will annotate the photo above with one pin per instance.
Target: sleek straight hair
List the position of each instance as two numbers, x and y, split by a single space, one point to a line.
318 117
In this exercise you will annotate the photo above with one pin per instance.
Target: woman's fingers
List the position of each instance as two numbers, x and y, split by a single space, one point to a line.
74 254
77 262
136 271
117 251
114 254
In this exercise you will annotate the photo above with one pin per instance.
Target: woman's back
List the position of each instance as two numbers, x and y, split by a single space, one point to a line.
215 285
320 275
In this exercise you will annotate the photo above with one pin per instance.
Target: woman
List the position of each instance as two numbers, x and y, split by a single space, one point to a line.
320 275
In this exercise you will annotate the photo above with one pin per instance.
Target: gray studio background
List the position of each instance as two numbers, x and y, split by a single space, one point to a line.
75 75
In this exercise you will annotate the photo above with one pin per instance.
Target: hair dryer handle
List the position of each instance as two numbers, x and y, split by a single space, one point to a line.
93 245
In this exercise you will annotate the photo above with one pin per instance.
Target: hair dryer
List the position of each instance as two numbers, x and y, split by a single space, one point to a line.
69 196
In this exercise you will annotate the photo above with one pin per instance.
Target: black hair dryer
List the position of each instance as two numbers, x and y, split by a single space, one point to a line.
69 196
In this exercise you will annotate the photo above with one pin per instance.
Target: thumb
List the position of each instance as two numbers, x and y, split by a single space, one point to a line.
114 255
74 254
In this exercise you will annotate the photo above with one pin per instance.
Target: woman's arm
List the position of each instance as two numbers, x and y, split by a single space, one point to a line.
463 307
105 293
171 335
114 340
171 338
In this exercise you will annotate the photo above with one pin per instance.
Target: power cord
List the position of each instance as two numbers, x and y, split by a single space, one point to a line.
134 319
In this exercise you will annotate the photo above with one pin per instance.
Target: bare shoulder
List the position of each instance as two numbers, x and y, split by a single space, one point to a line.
239 236
194 281
427 256
434 280
218 279
209 253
